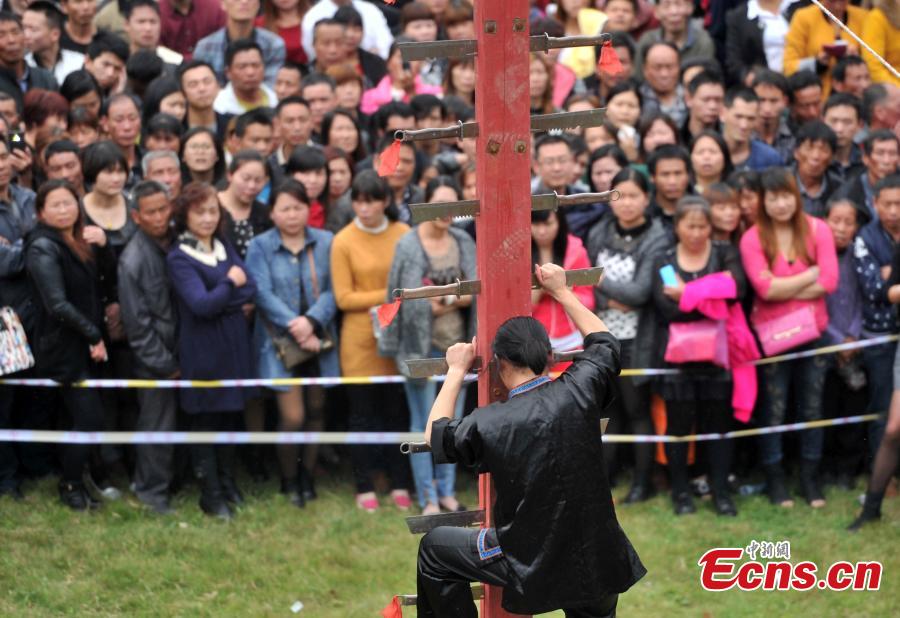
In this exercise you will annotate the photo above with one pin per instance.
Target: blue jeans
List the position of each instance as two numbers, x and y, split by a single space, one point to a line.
420 396
878 361
807 376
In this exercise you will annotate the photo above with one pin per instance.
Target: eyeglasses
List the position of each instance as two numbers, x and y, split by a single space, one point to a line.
199 147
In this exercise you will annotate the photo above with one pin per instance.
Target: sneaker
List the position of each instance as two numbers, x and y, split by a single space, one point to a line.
367 502
401 499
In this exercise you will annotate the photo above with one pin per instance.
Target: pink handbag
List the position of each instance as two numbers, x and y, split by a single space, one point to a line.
702 341
788 331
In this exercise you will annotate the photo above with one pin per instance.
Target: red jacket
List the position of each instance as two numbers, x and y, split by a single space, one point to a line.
549 312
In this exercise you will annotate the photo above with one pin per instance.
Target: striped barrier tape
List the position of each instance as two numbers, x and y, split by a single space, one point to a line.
397 379
353 437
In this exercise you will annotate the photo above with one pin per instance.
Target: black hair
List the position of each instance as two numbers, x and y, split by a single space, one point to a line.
292 187
843 99
441 181
143 67
327 21
348 16
705 77
523 342
360 153
423 104
881 135
79 83
61 146
106 42
194 63
706 64
816 131
629 174
314 79
548 139
120 96
163 124
50 10
241 45
146 188
254 116
745 180
839 72
715 136
874 95
618 38
578 145
218 168
613 151
668 151
647 122
247 156
768 77
292 100
891 181
9 16
128 9
646 51
739 92
692 203
560 243
369 185
393 108
800 80
99 157
306 159
294 66
625 85
156 91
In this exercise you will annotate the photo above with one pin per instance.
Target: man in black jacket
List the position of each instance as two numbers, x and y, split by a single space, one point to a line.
16 77
148 316
554 544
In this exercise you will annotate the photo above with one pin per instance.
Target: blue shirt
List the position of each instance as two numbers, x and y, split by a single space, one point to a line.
212 49
761 157
873 249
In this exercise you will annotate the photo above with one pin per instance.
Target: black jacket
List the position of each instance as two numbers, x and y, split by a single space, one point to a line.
148 313
37 78
69 309
554 513
743 45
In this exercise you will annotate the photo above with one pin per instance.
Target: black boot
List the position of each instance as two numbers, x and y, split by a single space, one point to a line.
74 496
724 504
809 483
255 461
871 511
307 485
683 503
291 489
641 489
212 500
225 457
775 487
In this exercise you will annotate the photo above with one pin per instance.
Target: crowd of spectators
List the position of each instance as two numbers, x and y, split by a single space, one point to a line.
188 190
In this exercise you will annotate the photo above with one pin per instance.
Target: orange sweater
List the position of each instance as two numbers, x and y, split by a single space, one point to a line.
883 35
360 264
810 29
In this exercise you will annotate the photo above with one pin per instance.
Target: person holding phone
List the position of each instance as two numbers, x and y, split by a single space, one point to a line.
626 245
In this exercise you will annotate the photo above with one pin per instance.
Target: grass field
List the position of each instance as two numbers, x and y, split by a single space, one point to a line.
340 562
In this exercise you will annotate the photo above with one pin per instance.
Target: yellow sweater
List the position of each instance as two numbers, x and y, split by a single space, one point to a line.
883 37
809 31
582 60
360 264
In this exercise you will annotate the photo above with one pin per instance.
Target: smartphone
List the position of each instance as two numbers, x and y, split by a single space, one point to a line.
17 141
667 273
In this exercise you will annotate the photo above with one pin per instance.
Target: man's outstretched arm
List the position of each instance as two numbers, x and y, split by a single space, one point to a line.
553 280
459 359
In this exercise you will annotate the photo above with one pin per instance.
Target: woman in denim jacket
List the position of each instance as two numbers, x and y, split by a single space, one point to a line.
291 265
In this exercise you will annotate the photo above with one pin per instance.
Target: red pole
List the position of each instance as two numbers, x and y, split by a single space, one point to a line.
502 105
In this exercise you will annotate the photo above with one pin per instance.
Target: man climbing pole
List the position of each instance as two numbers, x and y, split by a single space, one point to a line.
555 541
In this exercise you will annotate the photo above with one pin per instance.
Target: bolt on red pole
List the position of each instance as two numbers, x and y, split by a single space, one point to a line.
502 106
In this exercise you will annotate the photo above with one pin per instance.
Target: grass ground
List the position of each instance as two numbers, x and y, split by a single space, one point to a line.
342 563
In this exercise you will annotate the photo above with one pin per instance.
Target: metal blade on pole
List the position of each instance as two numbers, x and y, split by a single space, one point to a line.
470 208
427 367
578 276
469 47
408 600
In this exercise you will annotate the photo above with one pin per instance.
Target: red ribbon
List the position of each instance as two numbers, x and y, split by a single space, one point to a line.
387 312
393 609
389 159
609 60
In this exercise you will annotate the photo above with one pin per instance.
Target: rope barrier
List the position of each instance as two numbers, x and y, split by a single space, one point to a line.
397 379
355 437
865 45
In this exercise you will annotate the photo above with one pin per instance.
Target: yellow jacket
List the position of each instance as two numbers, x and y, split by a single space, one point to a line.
881 31
810 29
582 60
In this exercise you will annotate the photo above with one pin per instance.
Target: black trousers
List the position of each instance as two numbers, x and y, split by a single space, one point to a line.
86 410
711 416
449 561
9 462
374 408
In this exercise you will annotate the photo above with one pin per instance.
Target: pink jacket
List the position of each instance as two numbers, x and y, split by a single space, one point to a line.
373 98
819 244
708 295
549 312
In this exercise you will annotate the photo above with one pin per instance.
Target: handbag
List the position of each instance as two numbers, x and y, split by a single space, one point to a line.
701 341
789 331
287 349
15 353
